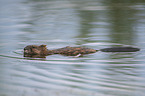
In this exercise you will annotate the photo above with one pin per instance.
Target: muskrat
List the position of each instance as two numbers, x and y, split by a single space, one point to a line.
42 51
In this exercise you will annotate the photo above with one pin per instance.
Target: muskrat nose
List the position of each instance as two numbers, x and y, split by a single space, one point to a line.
25 51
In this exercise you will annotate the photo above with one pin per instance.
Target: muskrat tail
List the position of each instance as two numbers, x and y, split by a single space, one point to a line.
120 49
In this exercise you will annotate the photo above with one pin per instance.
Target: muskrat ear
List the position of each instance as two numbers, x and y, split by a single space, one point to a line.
43 45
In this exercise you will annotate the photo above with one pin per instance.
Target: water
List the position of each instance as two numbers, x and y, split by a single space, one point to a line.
58 23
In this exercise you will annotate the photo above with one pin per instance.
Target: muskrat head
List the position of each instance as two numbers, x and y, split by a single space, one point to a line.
35 50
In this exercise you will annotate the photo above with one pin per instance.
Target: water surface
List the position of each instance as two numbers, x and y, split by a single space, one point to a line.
58 23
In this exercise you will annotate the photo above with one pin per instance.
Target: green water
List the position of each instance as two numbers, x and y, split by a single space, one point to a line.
58 23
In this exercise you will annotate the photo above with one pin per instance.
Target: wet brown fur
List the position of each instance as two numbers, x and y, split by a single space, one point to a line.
73 51
40 51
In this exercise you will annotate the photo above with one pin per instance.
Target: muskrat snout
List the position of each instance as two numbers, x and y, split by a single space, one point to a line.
26 51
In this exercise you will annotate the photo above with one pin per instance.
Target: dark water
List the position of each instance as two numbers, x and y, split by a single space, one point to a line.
58 23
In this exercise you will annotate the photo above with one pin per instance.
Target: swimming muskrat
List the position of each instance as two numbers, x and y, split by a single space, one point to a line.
42 51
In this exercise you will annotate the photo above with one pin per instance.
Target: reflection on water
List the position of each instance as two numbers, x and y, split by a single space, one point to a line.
58 23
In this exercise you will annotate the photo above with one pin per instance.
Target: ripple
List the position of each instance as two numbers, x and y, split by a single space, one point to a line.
96 73
72 23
